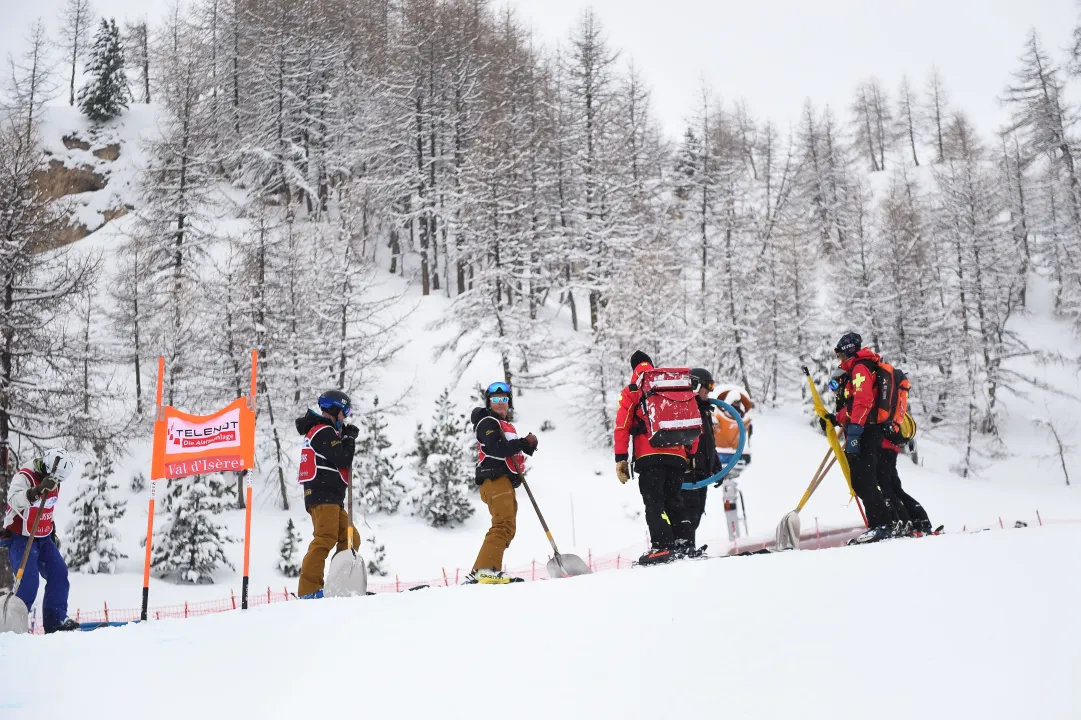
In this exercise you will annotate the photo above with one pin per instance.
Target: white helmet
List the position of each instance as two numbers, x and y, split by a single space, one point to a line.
55 462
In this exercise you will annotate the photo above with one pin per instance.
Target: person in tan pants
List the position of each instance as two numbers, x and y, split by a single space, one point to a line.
498 495
325 461
331 530
500 466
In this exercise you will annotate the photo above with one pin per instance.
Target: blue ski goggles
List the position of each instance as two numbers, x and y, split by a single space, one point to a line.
498 388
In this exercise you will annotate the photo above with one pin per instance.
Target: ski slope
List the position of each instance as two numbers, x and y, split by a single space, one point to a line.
574 481
981 625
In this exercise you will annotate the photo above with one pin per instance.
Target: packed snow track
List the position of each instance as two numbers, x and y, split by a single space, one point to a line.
983 625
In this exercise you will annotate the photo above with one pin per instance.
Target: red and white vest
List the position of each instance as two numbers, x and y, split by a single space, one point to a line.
20 525
310 464
515 463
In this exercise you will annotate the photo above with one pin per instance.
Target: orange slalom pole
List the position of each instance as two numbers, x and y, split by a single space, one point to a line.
247 492
254 374
150 504
149 544
247 542
161 381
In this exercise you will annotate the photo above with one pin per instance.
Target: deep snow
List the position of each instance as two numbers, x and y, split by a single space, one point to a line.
968 626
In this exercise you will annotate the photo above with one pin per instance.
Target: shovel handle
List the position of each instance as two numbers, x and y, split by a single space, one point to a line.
547 532
29 542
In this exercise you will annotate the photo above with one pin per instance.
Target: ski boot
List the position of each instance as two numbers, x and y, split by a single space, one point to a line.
923 529
656 556
67 626
874 534
488 576
317 595
686 549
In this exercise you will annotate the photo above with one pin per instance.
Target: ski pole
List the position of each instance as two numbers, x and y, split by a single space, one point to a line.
558 557
743 507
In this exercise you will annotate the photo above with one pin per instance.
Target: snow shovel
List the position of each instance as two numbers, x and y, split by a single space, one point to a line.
347 576
788 530
14 615
560 566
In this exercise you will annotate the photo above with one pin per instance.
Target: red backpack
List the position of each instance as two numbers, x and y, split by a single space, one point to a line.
892 387
671 414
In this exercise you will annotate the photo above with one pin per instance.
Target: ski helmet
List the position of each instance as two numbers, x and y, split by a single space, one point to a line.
333 401
55 462
496 388
700 377
849 344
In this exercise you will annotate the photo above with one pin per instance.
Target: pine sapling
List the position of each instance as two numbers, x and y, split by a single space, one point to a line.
289 561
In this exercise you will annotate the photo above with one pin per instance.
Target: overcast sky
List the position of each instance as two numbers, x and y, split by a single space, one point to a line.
771 53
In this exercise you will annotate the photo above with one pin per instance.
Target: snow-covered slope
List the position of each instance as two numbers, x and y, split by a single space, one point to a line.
587 509
969 626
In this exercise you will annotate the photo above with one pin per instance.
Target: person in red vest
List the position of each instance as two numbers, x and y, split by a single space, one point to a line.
501 457
40 480
325 462
660 474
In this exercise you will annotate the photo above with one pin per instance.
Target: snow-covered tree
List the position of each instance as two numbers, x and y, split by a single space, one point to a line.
137 44
75 21
190 542
376 554
138 482
106 93
289 553
445 474
374 468
38 371
31 84
91 544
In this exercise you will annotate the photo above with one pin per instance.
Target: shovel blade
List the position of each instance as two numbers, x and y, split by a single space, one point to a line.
572 565
347 577
788 532
14 617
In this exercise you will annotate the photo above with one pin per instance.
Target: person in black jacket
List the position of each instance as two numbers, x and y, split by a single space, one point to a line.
704 462
500 466
325 462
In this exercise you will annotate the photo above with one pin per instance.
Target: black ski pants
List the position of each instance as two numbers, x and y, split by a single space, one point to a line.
694 506
908 509
663 497
865 481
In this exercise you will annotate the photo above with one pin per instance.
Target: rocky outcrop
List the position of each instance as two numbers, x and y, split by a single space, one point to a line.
60 181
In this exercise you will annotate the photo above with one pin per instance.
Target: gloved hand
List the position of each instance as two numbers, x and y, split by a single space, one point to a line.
853 433
46 486
350 431
56 539
531 440
623 471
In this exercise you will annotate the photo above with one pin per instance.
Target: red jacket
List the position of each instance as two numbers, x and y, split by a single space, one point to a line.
629 415
861 407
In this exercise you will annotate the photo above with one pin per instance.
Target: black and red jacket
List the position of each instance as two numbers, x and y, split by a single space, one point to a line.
335 460
499 449
860 396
